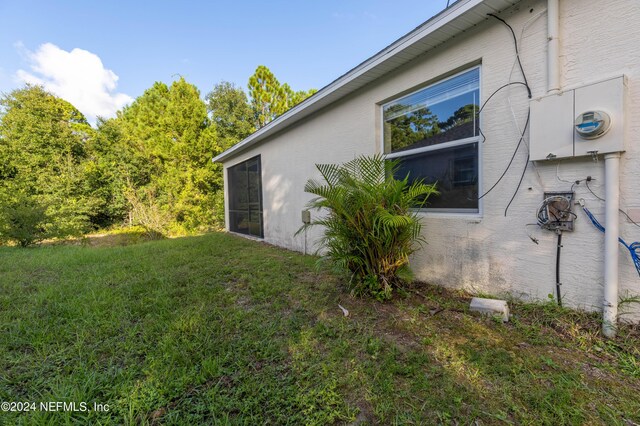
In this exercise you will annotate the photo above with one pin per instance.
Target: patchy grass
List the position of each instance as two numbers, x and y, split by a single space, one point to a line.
221 330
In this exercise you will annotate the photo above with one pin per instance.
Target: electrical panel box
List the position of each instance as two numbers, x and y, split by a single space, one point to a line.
556 213
553 118
550 135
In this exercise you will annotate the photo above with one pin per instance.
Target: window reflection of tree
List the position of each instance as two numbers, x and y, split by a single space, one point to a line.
421 125
462 115
409 128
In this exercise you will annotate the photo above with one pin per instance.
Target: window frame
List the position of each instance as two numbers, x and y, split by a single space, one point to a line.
441 212
258 159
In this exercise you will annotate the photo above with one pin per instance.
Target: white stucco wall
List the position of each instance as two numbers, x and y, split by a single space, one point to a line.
487 253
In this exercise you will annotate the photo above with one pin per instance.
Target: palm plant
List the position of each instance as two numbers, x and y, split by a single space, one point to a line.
370 227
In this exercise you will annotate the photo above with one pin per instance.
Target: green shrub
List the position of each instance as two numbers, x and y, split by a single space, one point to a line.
370 228
27 219
22 220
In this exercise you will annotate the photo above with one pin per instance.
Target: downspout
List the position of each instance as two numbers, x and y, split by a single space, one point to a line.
612 181
612 200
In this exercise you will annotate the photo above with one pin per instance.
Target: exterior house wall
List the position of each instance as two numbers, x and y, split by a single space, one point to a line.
486 252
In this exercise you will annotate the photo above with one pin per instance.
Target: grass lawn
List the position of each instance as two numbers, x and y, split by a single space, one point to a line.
221 330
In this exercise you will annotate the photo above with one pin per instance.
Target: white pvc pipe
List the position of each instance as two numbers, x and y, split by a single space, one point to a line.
612 204
553 46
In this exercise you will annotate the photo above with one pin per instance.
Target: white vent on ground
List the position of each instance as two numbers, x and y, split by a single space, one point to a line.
490 307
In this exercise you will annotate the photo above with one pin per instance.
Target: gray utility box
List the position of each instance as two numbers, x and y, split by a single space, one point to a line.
552 133
306 216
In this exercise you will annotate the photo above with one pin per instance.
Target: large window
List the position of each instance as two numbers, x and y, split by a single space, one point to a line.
244 182
435 132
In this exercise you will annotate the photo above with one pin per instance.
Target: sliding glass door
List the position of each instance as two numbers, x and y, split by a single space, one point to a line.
245 197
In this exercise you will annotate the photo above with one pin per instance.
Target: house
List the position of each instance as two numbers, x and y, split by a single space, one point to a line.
497 131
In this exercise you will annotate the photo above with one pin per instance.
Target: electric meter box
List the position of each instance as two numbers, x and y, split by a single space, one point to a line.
553 133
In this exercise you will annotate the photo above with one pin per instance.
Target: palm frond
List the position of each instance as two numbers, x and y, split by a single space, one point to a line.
370 229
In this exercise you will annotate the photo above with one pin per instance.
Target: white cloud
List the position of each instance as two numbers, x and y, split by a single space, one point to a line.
77 76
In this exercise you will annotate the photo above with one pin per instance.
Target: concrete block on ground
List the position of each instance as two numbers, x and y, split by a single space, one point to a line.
491 307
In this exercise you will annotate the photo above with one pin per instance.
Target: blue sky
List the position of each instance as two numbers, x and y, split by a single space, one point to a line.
121 48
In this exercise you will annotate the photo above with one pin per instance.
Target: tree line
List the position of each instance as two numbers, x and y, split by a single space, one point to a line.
150 165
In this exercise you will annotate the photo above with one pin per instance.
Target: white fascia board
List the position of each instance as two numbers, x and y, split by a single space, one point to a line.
328 95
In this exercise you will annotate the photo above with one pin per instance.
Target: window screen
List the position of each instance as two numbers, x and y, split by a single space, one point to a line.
244 182
434 132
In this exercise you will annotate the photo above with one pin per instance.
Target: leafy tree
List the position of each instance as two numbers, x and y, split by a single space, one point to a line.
294 98
43 148
269 98
231 114
149 165
112 165
169 127
370 230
